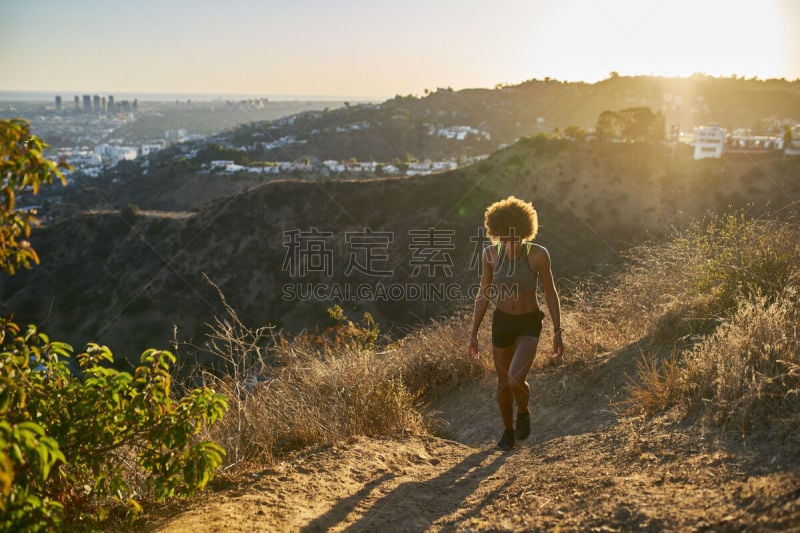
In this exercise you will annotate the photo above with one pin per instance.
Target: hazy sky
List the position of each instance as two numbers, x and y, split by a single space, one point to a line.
378 49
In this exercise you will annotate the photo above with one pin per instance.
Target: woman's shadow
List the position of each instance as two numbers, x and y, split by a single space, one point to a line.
415 505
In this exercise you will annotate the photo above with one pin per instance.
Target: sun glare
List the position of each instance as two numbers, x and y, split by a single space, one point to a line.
586 41
325 50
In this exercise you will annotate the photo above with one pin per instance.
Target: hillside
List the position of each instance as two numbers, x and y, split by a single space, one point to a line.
455 126
674 409
426 127
126 281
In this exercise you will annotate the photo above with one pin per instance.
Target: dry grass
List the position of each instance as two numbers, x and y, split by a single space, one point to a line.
663 384
745 373
603 315
287 394
748 370
737 306
679 291
434 358
728 318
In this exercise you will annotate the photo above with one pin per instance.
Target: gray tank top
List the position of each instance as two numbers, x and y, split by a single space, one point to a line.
515 272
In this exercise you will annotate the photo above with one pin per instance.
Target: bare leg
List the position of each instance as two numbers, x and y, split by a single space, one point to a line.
520 365
505 399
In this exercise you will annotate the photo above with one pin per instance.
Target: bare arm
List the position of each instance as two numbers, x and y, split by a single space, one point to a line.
551 297
481 302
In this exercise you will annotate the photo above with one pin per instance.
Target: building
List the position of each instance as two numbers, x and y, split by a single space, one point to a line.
178 135
59 105
77 103
443 165
147 149
112 154
743 141
87 103
709 141
111 107
96 102
793 148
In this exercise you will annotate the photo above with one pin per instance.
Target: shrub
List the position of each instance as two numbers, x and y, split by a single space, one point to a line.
743 257
749 368
129 214
662 386
303 391
71 442
746 371
678 291
603 314
314 388
22 167
738 302
73 431
433 359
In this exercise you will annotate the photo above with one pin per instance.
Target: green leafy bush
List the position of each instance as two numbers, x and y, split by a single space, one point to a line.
76 434
71 442
129 214
742 257
22 167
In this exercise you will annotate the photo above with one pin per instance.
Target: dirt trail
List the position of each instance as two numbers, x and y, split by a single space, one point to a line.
581 470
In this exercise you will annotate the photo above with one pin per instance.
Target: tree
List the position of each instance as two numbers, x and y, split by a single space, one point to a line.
574 132
607 125
129 214
22 167
216 151
635 124
70 440
641 124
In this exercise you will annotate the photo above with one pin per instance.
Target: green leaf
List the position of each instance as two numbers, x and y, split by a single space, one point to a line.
31 427
16 453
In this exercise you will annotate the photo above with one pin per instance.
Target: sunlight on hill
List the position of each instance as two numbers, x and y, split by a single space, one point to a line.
678 299
704 336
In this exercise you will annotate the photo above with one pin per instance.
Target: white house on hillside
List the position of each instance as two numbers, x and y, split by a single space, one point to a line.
709 141
743 141
113 154
147 149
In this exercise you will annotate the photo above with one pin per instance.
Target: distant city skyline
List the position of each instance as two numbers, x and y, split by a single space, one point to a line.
67 96
354 49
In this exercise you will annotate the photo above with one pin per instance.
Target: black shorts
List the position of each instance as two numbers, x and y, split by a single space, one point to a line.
507 327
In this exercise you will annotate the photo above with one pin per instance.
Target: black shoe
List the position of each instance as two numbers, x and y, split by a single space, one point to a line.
507 441
523 427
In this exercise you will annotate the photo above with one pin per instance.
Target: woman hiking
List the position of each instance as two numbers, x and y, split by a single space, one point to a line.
512 266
